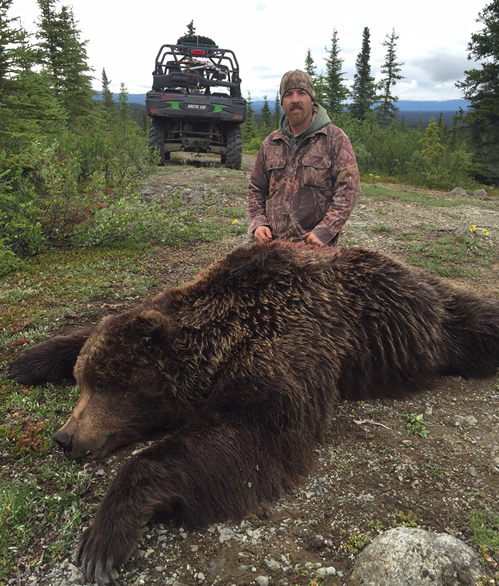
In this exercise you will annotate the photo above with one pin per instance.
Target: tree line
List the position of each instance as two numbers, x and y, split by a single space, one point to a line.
69 164
435 156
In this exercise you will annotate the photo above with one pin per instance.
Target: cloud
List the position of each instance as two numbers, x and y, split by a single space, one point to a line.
260 6
441 66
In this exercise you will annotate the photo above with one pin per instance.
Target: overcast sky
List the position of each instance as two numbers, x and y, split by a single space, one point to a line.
271 37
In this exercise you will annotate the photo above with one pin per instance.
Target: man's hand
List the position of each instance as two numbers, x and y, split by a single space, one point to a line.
262 234
311 238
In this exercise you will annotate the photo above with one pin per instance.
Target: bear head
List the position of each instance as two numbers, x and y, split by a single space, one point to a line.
127 385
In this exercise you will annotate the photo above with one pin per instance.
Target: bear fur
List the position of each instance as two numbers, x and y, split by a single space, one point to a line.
240 370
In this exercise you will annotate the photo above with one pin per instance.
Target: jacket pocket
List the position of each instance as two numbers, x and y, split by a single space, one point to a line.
276 169
315 172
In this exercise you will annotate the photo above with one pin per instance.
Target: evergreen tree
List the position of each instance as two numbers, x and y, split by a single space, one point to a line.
64 57
364 88
310 66
443 131
191 29
11 38
27 105
318 80
124 110
391 68
432 146
266 117
481 88
249 126
107 95
321 90
276 118
336 92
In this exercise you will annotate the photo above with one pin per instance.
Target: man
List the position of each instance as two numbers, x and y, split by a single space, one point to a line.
305 181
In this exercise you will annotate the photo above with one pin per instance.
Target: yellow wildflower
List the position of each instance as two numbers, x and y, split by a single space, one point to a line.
485 232
473 228
234 222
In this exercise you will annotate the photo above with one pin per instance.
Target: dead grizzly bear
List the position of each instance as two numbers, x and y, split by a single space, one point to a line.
241 369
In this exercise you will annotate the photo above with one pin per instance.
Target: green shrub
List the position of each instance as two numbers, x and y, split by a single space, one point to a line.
58 193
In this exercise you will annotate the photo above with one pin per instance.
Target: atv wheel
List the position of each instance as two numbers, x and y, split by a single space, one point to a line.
156 139
234 155
196 40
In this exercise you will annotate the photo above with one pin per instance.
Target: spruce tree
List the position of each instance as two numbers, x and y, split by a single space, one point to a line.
10 35
124 110
335 92
481 88
310 66
107 95
11 38
432 145
27 106
321 90
63 55
249 126
364 88
266 117
391 68
311 69
276 119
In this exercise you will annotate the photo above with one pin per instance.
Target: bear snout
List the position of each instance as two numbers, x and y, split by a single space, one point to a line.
63 439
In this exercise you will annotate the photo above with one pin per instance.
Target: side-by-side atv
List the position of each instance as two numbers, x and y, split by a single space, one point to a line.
195 103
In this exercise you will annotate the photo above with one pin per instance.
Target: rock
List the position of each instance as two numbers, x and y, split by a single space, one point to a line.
225 534
262 581
466 419
405 556
367 498
323 572
459 191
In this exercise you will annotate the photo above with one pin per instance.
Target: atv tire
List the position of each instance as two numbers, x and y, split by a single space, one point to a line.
234 155
156 139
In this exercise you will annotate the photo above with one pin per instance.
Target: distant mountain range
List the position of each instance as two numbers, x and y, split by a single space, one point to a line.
413 112
403 105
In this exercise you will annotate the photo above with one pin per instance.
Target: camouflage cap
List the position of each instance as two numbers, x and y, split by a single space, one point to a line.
297 79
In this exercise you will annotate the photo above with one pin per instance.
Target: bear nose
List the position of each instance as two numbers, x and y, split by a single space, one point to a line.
64 439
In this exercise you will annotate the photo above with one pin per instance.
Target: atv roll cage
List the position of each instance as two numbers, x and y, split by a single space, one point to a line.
196 69
195 103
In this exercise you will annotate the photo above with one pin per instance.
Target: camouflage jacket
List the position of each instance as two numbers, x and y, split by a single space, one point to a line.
311 189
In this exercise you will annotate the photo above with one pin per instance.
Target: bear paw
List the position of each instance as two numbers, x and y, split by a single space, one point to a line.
96 557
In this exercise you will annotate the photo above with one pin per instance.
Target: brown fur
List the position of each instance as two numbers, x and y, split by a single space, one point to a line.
240 369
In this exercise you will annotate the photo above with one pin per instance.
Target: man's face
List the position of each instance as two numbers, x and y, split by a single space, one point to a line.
297 105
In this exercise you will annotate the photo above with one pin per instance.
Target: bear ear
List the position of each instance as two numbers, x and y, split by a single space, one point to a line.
155 326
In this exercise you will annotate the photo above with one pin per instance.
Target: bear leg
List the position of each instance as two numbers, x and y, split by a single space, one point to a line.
210 470
473 334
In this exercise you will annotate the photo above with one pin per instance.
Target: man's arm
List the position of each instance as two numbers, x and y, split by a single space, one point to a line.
258 190
346 189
